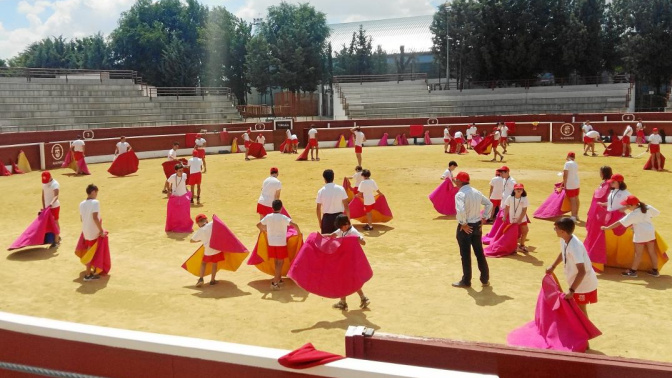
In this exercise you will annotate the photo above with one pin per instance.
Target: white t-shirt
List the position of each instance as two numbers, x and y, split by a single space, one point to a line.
639 126
641 224
471 132
78 145
496 135
358 178
179 184
331 196
507 188
172 154
276 229
86 210
368 188
200 142
350 232
447 175
572 175
497 184
268 189
48 190
504 131
459 135
593 134
628 131
575 253
586 128
615 198
288 134
516 206
446 133
655 139
261 139
246 137
203 235
294 137
123 147
195 164
312 133
359 138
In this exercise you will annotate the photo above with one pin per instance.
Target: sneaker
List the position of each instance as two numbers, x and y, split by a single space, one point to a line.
364 303
92 277
281 282
275 286
341 305
485 284
654 273
199 283
88 277
629 273
461 284
213 282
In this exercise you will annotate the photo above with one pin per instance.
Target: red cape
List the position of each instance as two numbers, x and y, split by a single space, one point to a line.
615 148
307 356
36 233
257 150
651 164
3 170
381 210
125 164
98 256
178 214
331 267
454 145
169 167
15 169
304 154
428 140
70 162
485 146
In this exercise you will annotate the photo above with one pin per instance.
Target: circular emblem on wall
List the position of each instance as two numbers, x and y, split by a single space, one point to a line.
259 126
432 121
567 129
57 152
628 117
88 134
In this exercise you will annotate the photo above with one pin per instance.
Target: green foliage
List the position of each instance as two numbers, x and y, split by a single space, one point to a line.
359 58
258 64
57 52
3 63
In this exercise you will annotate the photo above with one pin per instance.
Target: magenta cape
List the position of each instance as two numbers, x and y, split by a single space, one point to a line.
428 140
484 147
101 260
652 164
331 267
125 164
351 141
495 229
404 140
383 140
257 150
558 324
504 242
178 215
223 239
615 148
36 233
69 162
553 207
475 140
381 212
594 242
443 198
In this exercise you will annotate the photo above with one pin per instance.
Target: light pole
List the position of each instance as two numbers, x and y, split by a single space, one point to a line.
447 48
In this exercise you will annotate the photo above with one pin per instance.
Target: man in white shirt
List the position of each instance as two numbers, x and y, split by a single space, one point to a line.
199 145
504 131
627 151
313 144
122 146
654 148
367 190
581 278
570 184
50 191
275 226
247 142
589 139
468 203
331 200
195 165
210 255
270 191
359 142
92 228
446 139
78 146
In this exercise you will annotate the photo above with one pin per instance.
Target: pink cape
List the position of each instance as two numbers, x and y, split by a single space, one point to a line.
255 259
36 233
443 198
428 140
615 148
484 147
552 207
381 212
257 150
495 229
475 140
504 242
351 141
404 140
651 164
383 140
223 239
178 216
69 162
331 267
101 260
558 324
125 164
594 242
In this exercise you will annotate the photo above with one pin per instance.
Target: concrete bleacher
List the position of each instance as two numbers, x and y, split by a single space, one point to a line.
413 99
57 104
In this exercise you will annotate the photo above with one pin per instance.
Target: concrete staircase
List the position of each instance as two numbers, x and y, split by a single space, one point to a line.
57 104
413 99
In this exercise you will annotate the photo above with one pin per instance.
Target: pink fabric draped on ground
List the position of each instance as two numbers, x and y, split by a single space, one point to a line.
383 140
178 216
69 158
428 140
381 212
101 260
496 226
475 139
552 207
330 267
124 164
504 242
351 141
404 140
443 198
594 242
558 324
36 233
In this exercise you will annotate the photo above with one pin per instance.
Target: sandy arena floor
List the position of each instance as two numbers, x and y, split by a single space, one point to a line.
414 257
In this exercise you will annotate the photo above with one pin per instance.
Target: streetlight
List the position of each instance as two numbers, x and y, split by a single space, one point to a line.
447 47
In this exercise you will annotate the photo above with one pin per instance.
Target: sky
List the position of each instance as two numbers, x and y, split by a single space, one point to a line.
23 22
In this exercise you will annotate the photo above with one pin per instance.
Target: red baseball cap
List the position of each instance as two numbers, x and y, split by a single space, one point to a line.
616 178
194 153
519 186
462 177
274 170
631 200
201 217
655 129
46 177
503 168
572 154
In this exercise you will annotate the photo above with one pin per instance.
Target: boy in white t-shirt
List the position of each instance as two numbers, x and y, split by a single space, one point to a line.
195 165
92 228
313 145
203 235
504 131
275 226
270 191
247 142
570 183
345 229
199 145
654 148
627 151
446 139
261 139
471 131
581 278
78 147
122 146
459 143
177 183
448 174
172 156
50 191
357 176
359 142
367 191
496 193
496 140
589 139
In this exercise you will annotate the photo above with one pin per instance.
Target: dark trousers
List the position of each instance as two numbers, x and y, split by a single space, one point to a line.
328 224
466 242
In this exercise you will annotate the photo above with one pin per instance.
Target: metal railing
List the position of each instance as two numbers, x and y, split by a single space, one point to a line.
380 78
536 82
187 91
57 73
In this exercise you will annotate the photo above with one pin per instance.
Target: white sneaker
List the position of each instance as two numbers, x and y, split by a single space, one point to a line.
574 219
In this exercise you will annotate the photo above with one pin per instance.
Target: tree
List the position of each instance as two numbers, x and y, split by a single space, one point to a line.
379 61
402 61
258 64
3 63
358 58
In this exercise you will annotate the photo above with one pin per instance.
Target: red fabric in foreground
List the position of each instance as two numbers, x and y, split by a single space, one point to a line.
482 147
651 164
615 148
35 233
331 267
125 164
101 260
257 150
416 131
307 356
190 140
3 170
15 169
558 324
443 198
169 167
